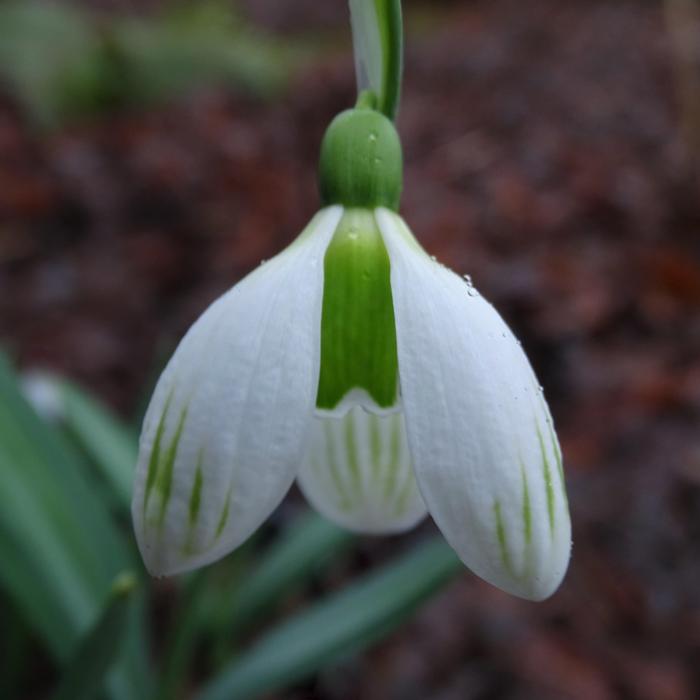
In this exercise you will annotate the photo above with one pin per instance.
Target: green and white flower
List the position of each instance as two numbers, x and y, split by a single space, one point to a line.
381 381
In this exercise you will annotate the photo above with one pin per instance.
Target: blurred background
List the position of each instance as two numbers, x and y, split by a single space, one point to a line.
152 153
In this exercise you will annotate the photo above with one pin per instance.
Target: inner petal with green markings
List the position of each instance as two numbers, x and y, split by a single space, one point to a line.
358 472
358 469
359 362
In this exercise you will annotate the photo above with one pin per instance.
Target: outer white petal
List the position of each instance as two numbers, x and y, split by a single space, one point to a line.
225 431
358 473
486 456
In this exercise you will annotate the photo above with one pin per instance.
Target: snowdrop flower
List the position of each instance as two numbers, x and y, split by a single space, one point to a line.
379 380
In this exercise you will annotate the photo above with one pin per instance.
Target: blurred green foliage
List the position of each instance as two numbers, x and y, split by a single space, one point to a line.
72 583
65 63
60 547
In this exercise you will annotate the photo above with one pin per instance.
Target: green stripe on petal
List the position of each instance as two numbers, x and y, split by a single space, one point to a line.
395 455
344 501
375 446
153 462
196 494
223 518
358 334
351 447
407 490
502 537
556 449
558 458
358 473
547 472
164 480
527 509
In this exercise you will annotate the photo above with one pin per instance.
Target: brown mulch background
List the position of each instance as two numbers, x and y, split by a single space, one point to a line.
542 158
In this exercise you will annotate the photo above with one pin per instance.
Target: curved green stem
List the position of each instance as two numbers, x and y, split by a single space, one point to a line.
378 38
391 26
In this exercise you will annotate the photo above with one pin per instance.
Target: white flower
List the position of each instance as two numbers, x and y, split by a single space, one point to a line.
379 379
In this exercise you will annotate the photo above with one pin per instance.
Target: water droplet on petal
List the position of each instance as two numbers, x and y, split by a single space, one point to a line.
472 291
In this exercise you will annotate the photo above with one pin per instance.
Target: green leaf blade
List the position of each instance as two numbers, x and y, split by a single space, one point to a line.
97 651
338 626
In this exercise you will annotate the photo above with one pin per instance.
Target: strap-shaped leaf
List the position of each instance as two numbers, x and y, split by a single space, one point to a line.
340 625
227 606
108 444
98 649
300 553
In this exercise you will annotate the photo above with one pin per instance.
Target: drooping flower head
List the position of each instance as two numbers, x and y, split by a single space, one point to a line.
356 364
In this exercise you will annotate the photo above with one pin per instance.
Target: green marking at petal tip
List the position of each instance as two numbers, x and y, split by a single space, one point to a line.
558 458
502 537
164 481
547 480
196 494
154 461
358 333
223 518
556 449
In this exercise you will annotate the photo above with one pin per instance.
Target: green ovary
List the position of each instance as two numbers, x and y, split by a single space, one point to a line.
358 334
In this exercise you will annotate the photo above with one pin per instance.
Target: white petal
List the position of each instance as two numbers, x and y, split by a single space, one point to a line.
481 437
357 472
225 431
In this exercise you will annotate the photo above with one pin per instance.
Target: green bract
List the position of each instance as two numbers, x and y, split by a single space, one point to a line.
378 40
361 161
358 334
